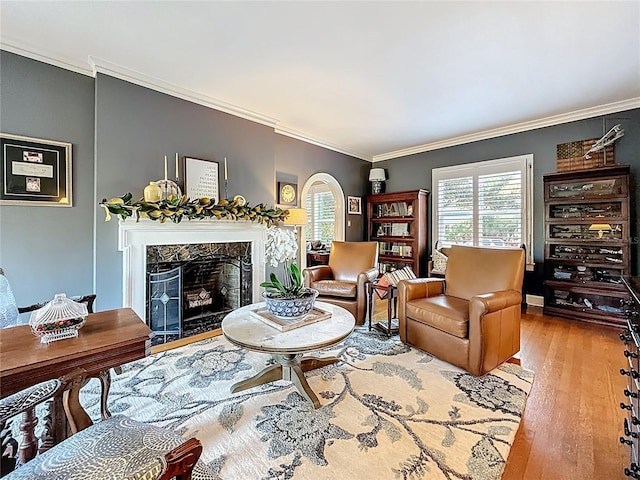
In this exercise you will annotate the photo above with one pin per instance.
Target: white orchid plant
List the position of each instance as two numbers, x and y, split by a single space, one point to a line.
282 247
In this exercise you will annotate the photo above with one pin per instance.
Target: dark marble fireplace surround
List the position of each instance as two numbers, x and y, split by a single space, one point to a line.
192 287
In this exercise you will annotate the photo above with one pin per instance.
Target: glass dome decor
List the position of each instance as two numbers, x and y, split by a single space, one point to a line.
59 319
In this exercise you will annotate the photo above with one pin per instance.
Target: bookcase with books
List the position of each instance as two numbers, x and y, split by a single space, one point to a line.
398 222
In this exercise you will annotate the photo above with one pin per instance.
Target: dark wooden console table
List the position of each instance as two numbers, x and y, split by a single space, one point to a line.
107 340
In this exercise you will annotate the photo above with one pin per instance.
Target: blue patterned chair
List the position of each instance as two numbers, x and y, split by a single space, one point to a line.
117 448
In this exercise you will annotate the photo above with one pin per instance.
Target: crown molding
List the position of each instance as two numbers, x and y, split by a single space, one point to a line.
99 65
590 112
109 68
290 132
42 55
96 65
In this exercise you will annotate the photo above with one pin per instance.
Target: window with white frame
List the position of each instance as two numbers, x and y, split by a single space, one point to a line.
485 204
321 211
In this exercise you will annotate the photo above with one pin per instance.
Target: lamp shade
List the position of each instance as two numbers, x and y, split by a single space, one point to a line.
297 217
377 175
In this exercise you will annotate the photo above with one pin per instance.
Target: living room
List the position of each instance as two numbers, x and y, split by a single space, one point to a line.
121 130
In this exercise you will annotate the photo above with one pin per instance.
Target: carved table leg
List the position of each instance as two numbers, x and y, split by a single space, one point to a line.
55 425
29 443
105 382
267 375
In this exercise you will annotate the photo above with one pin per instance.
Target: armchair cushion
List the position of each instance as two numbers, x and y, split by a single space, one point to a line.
449 314
336 288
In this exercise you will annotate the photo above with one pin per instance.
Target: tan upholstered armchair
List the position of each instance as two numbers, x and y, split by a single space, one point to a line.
471 318
343 282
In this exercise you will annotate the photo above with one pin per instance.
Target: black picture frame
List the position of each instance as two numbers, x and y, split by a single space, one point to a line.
35 172
201 178
354 205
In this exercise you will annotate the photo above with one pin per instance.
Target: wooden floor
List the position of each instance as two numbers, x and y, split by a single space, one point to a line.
572 423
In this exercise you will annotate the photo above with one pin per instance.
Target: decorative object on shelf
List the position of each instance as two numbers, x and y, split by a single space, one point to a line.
286 298
35 172
176 209
590 153
169 188
201 179
354 205
287 193
240 200
377 176
59 319
152 193
600 228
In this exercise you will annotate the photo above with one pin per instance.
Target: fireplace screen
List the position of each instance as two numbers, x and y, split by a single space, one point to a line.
191 288
165 301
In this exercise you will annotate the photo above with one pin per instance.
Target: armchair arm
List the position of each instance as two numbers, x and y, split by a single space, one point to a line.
419 288
317 273
492 302
494 329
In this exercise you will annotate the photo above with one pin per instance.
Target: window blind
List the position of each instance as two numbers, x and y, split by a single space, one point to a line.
321 209
485 204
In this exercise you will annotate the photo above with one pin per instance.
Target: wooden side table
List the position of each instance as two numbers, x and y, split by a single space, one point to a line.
317 258
391 291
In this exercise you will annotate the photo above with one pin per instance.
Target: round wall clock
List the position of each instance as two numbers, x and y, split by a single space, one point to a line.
287 193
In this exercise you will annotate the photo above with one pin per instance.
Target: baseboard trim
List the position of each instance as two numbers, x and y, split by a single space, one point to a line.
535 300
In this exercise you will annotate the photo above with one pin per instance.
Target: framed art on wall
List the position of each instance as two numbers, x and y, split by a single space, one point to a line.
201 179
354 205
35 171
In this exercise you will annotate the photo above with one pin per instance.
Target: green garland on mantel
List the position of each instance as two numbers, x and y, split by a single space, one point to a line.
177 209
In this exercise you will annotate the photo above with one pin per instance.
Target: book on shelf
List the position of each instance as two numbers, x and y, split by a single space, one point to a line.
399 229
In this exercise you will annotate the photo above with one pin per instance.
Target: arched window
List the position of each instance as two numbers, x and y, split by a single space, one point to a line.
323 198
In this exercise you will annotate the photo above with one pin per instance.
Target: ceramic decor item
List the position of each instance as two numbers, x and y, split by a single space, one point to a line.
59 319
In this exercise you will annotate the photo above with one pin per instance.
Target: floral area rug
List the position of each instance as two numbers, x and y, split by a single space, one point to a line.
388 411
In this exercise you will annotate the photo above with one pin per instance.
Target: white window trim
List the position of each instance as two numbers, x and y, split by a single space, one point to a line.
522 162
338 194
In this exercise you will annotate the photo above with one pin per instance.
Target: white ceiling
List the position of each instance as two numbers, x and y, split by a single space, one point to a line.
376 80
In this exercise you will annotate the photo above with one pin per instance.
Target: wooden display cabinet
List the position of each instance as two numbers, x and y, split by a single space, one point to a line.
587 244
398 222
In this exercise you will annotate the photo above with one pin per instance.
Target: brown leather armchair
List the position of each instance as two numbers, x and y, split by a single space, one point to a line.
343 281
471 318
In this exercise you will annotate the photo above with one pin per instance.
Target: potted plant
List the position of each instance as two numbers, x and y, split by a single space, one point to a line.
286 298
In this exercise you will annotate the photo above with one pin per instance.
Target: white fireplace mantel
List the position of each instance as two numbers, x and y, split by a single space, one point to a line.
133 238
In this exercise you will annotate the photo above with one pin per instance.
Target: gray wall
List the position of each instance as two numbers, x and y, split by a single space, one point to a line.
415 171
48 250
45 250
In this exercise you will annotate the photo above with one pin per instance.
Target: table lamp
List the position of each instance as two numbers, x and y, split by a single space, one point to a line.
600 228
297 217
377 177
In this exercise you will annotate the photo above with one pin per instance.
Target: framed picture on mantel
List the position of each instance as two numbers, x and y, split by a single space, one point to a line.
35 171
201 179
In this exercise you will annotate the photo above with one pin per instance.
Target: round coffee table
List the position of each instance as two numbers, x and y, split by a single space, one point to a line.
241 328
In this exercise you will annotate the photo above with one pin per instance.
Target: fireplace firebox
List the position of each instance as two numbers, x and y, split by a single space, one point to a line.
191 288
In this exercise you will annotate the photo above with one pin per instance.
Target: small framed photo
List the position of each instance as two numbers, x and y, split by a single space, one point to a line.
35 171
354 205
201 179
